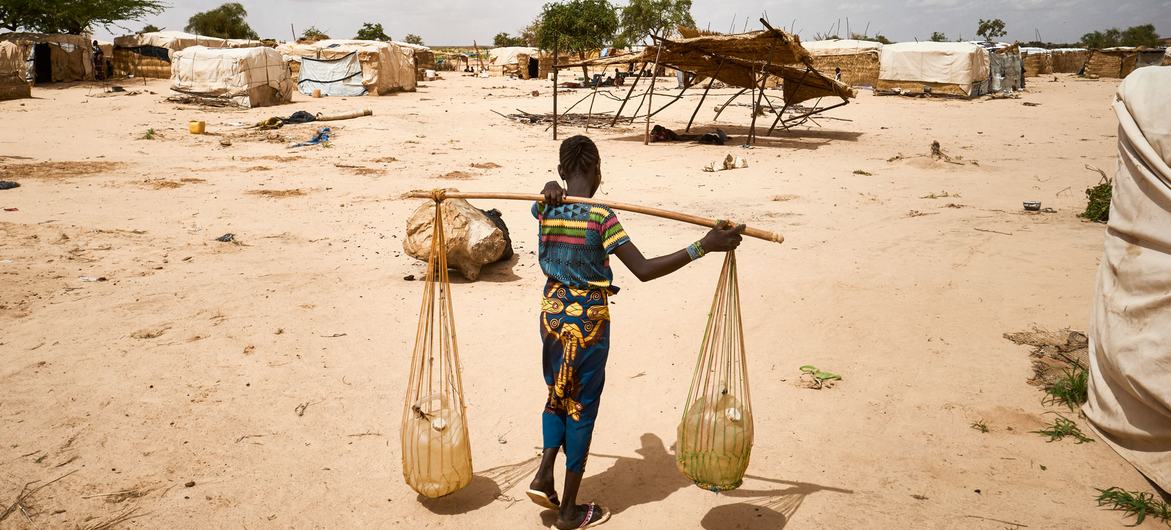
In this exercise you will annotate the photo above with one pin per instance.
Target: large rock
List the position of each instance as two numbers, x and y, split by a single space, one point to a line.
473 239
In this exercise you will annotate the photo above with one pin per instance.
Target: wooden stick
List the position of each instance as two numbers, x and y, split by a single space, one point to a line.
623 105
646 138
645 210
346 116
556 50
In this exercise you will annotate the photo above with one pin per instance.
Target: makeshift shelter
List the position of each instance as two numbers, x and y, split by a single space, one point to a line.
745 61
386 67
423 57
1069 60
504 60
857 59
1037 61
1004 65
1167 57
958 69
1120 62
247 77
13 68
1129 403
54 58
150 54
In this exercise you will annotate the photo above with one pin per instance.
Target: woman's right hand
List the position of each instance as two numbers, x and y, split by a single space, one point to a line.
722 238
553 192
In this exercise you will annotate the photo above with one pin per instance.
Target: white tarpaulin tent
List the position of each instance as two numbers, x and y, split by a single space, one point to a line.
1130 328
150 54
248 77
954 68
841 46
507 55
333 77
386 67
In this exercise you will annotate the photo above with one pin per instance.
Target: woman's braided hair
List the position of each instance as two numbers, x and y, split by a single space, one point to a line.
579 155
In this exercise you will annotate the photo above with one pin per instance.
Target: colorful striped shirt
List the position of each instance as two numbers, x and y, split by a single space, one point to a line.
576 243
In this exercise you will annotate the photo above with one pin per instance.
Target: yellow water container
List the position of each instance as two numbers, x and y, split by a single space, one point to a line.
196 127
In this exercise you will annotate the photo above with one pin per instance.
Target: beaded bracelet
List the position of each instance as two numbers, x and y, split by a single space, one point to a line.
695 250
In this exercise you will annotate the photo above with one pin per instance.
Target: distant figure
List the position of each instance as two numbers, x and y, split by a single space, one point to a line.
837 74
99 62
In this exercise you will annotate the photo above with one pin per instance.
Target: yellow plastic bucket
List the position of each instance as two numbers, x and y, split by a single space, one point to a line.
196 127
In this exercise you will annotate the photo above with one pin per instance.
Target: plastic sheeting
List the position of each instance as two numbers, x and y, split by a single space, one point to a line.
333 77
386 67
1130 329
171 40
507 55
955 63
249 77
841 47
70 56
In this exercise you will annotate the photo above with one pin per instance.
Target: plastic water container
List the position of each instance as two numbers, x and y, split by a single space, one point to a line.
196 127
715 441
437 459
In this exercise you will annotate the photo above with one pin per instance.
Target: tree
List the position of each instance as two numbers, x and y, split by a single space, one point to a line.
529 34
411 38
504 39
1144 35
878 37
226 22
643 18
312 34
72 16
937 36
150 28
577 26
370 31
991 29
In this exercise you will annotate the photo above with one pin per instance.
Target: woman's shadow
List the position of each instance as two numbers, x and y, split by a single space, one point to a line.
633 481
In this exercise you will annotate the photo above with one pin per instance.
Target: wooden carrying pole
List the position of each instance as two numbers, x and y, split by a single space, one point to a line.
656 212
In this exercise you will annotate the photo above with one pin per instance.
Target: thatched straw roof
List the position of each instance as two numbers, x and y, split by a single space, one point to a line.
739 60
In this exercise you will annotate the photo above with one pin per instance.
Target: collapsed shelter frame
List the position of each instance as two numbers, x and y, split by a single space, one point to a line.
747 61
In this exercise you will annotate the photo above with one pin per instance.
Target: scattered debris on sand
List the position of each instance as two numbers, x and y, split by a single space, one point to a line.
277 194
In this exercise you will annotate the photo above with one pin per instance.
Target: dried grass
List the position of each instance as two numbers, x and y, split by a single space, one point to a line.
55 170
278 194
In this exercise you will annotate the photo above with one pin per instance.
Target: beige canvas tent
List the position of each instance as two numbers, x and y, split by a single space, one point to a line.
424 58
13 67
857 59
943 68
54 58
1130 327
247 77
386 67
503 60
150 54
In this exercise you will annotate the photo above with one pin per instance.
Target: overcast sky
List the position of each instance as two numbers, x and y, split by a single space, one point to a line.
451 22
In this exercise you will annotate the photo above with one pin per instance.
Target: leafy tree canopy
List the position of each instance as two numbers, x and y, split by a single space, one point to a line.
370 31
72 16
312 34
877 37
504 39
411 38
577 26
226 22
642 18
1144 35
150 28
991 29
937 36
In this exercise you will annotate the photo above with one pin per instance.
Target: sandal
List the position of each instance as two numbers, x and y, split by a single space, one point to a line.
594 515
543 499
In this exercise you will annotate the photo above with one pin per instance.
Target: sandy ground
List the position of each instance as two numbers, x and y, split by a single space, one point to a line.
171 391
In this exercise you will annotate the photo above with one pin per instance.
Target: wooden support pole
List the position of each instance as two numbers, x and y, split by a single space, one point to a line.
555 50
729 102
645 210
756 105
623 105
704 96
590 114
646 138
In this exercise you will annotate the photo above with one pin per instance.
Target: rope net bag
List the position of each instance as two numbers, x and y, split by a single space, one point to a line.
437 456
715 435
